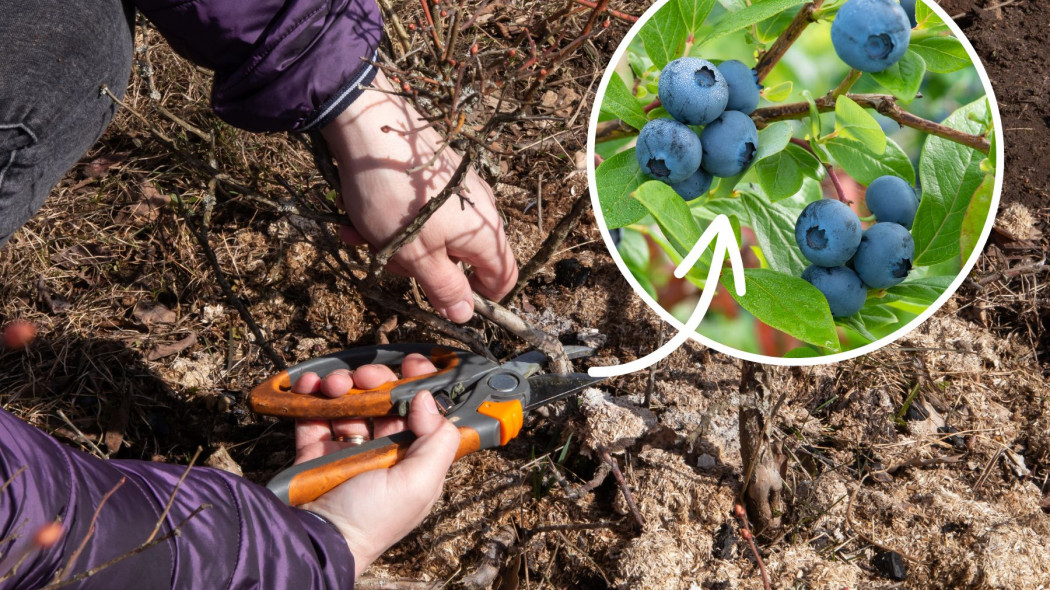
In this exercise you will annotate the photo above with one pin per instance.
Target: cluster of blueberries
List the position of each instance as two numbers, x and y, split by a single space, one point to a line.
697 92
847 261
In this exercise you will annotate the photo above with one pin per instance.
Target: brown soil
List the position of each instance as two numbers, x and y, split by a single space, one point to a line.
964 506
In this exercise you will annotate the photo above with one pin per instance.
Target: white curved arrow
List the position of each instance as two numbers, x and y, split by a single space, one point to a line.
721 233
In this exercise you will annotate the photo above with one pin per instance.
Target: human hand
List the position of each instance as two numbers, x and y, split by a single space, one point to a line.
382 147
378 508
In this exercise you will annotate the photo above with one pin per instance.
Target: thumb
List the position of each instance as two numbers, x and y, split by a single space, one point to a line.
445 284
434 449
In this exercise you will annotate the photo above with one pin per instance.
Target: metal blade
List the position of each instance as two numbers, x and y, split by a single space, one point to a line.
551 388
528 363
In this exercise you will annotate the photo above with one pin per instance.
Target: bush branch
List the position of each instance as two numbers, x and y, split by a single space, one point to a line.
773 55
884 104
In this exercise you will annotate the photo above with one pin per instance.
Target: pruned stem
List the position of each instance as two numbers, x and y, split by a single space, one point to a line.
832 173
884 104
773 55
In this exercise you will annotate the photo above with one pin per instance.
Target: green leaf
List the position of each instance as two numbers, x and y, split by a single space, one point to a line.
874 315
774 227
803 352
854 323
903 78
780 92
773 139
924 291
927 18
788 304
851 120
754 14
771 28
693 13
664 35
671 214
781 174
976 218
950 174
617 178
620 103
943 55
634 249
858 161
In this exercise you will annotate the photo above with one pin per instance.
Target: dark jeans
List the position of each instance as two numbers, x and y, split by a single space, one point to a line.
54 57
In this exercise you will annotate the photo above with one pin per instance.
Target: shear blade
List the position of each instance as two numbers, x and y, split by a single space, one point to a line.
551 388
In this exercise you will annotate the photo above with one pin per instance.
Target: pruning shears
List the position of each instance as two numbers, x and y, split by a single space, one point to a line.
485 400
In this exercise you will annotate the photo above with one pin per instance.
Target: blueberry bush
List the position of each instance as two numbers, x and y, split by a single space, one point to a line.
850 143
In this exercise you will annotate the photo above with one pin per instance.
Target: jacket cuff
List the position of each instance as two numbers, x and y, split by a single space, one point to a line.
331 108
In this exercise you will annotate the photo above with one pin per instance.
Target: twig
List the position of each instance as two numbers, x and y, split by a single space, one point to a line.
200 233
832 174
786 39
542 341
745 531
90 531
412 230
84 439
884 104
550 245
627 18
623 485
84 575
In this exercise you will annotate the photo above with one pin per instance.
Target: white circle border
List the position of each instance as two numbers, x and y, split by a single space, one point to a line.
978 250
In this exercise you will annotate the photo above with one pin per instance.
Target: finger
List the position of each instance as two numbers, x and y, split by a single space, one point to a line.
372 376
427 461
351 427
307 383
386 426
415 365
337 383
308 434
351 236
495 271
444 283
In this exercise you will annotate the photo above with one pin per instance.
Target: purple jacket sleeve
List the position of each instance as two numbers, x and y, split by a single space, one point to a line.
243 538
279 65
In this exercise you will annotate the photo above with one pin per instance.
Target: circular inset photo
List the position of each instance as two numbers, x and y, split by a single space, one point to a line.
850 151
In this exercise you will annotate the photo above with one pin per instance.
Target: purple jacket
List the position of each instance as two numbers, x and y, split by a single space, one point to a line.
244 539
280 65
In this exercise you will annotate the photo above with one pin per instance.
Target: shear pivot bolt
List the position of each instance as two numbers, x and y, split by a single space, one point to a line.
503 382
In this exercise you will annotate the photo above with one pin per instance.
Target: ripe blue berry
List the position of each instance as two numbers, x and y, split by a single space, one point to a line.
828 233
884 256
743 84
694 186
668 150
841 286
693 90
730 143
871 35
892 199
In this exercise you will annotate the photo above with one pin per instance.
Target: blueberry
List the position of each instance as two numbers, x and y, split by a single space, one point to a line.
892 199
743 86
693 90
884 256
616 235
841 286
909 9
828 233
730 143
871 35
668 150
694 186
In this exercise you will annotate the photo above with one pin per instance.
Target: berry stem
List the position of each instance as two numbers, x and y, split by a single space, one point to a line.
846 84
773 55
832 173
885 104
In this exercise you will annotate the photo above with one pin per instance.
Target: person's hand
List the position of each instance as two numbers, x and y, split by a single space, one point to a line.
376 509
383 148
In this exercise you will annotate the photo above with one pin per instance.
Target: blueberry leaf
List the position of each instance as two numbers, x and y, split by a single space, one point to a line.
923 291
616 179
693 13
950 174
773 139
943 55
634 250
752 15
664 35
926 18
976 218
788 304
671 213
903 78
774 228
780 92
858 161
620 103
851 120
781 174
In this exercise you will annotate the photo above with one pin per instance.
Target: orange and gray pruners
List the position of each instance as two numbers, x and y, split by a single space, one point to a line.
486 400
